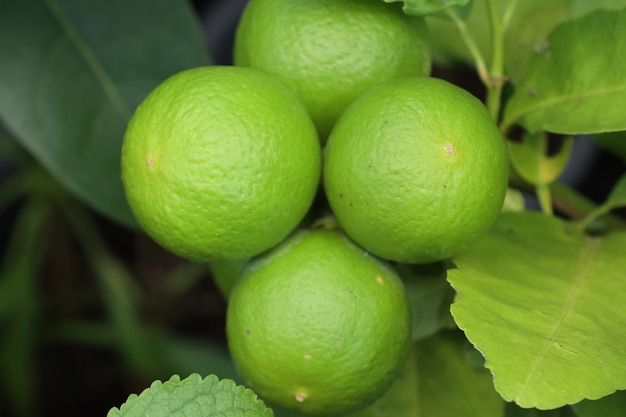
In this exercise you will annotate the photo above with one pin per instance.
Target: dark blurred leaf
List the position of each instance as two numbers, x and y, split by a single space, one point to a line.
513 410
430 297
72 73
19 307
185 356
612 406
439 381
614 142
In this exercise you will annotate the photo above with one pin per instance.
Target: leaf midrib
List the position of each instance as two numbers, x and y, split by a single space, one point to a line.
91 59
568 307
560 99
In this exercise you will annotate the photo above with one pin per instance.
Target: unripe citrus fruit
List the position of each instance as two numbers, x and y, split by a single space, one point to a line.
331 51
416 170
220 163
319 325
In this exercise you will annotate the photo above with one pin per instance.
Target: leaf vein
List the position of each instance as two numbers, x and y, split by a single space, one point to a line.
91 59
560 99
568 307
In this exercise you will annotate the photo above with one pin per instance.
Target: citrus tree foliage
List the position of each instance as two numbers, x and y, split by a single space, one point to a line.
529 322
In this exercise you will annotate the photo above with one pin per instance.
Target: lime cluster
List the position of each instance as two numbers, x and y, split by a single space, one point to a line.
329 108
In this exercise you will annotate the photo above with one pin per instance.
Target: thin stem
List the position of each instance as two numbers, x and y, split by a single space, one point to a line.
545 198
496 72
481 67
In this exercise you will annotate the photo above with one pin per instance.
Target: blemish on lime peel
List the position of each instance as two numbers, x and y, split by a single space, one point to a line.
450 148
307 357
150 161
301 396
380 280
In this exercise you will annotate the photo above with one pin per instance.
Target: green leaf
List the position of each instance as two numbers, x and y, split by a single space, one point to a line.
532 162
544 304
426 7
611 406
72 74
429 295
193 397
573 84
439 381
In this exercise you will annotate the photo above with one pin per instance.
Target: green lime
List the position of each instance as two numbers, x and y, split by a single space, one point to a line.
319 325
416 170
330 51
220 163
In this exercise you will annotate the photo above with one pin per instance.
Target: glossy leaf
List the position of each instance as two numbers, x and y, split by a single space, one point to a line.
426 7
544 304
439 381
574 84
193 397
72 74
